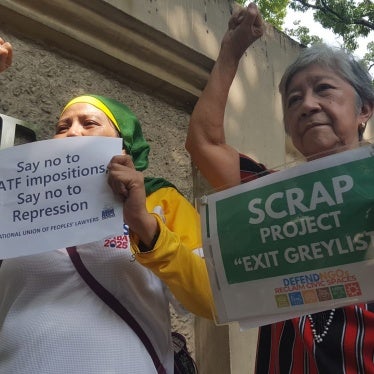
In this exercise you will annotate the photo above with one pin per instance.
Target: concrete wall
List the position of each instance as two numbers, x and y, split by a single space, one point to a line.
155 56
252 126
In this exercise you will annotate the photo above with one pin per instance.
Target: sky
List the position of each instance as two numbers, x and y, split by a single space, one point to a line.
316 29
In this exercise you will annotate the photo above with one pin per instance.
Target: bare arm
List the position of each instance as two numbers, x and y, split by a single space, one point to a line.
217 161
6 54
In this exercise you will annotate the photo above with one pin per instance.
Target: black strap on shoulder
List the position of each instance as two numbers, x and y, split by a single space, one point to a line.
249 165
115 305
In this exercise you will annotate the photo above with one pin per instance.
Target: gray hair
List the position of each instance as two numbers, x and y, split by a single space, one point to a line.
341 62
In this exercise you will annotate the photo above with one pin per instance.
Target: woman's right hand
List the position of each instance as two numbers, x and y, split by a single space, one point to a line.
6 54
244 28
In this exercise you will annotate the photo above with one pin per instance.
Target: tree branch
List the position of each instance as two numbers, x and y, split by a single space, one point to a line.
364 22
328 10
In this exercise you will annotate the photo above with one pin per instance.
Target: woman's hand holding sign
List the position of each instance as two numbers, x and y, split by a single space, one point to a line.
127 182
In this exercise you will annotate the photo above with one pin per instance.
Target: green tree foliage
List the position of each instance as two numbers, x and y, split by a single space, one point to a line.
302 34
273 11
369 56
349 19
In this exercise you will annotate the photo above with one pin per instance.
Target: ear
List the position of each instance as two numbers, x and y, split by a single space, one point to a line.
367 110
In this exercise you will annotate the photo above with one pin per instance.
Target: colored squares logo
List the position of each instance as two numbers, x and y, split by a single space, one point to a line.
310 297
353 289
338 292
296 298
282 301
323 294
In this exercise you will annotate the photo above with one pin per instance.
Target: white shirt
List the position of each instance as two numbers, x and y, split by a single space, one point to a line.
52 322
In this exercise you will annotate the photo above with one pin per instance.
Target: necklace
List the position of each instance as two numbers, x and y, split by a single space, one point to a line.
318 337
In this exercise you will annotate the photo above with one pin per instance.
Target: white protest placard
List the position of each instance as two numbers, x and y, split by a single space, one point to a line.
293 242
54 194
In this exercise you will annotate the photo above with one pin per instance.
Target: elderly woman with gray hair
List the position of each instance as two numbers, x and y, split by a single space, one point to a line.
327 99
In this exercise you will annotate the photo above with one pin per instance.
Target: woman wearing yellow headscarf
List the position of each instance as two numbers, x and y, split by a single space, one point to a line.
51 321
177 221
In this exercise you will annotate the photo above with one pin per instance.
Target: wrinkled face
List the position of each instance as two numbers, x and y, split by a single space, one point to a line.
321 112
82 119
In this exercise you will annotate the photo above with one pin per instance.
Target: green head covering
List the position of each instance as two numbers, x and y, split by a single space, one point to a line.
130 131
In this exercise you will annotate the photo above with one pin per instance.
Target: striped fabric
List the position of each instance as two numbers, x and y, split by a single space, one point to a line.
348 347
289 347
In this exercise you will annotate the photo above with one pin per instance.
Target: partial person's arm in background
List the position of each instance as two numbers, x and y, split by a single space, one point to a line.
6 54
216 160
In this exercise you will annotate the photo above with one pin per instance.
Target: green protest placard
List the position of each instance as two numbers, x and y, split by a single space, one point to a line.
313 221
282 228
